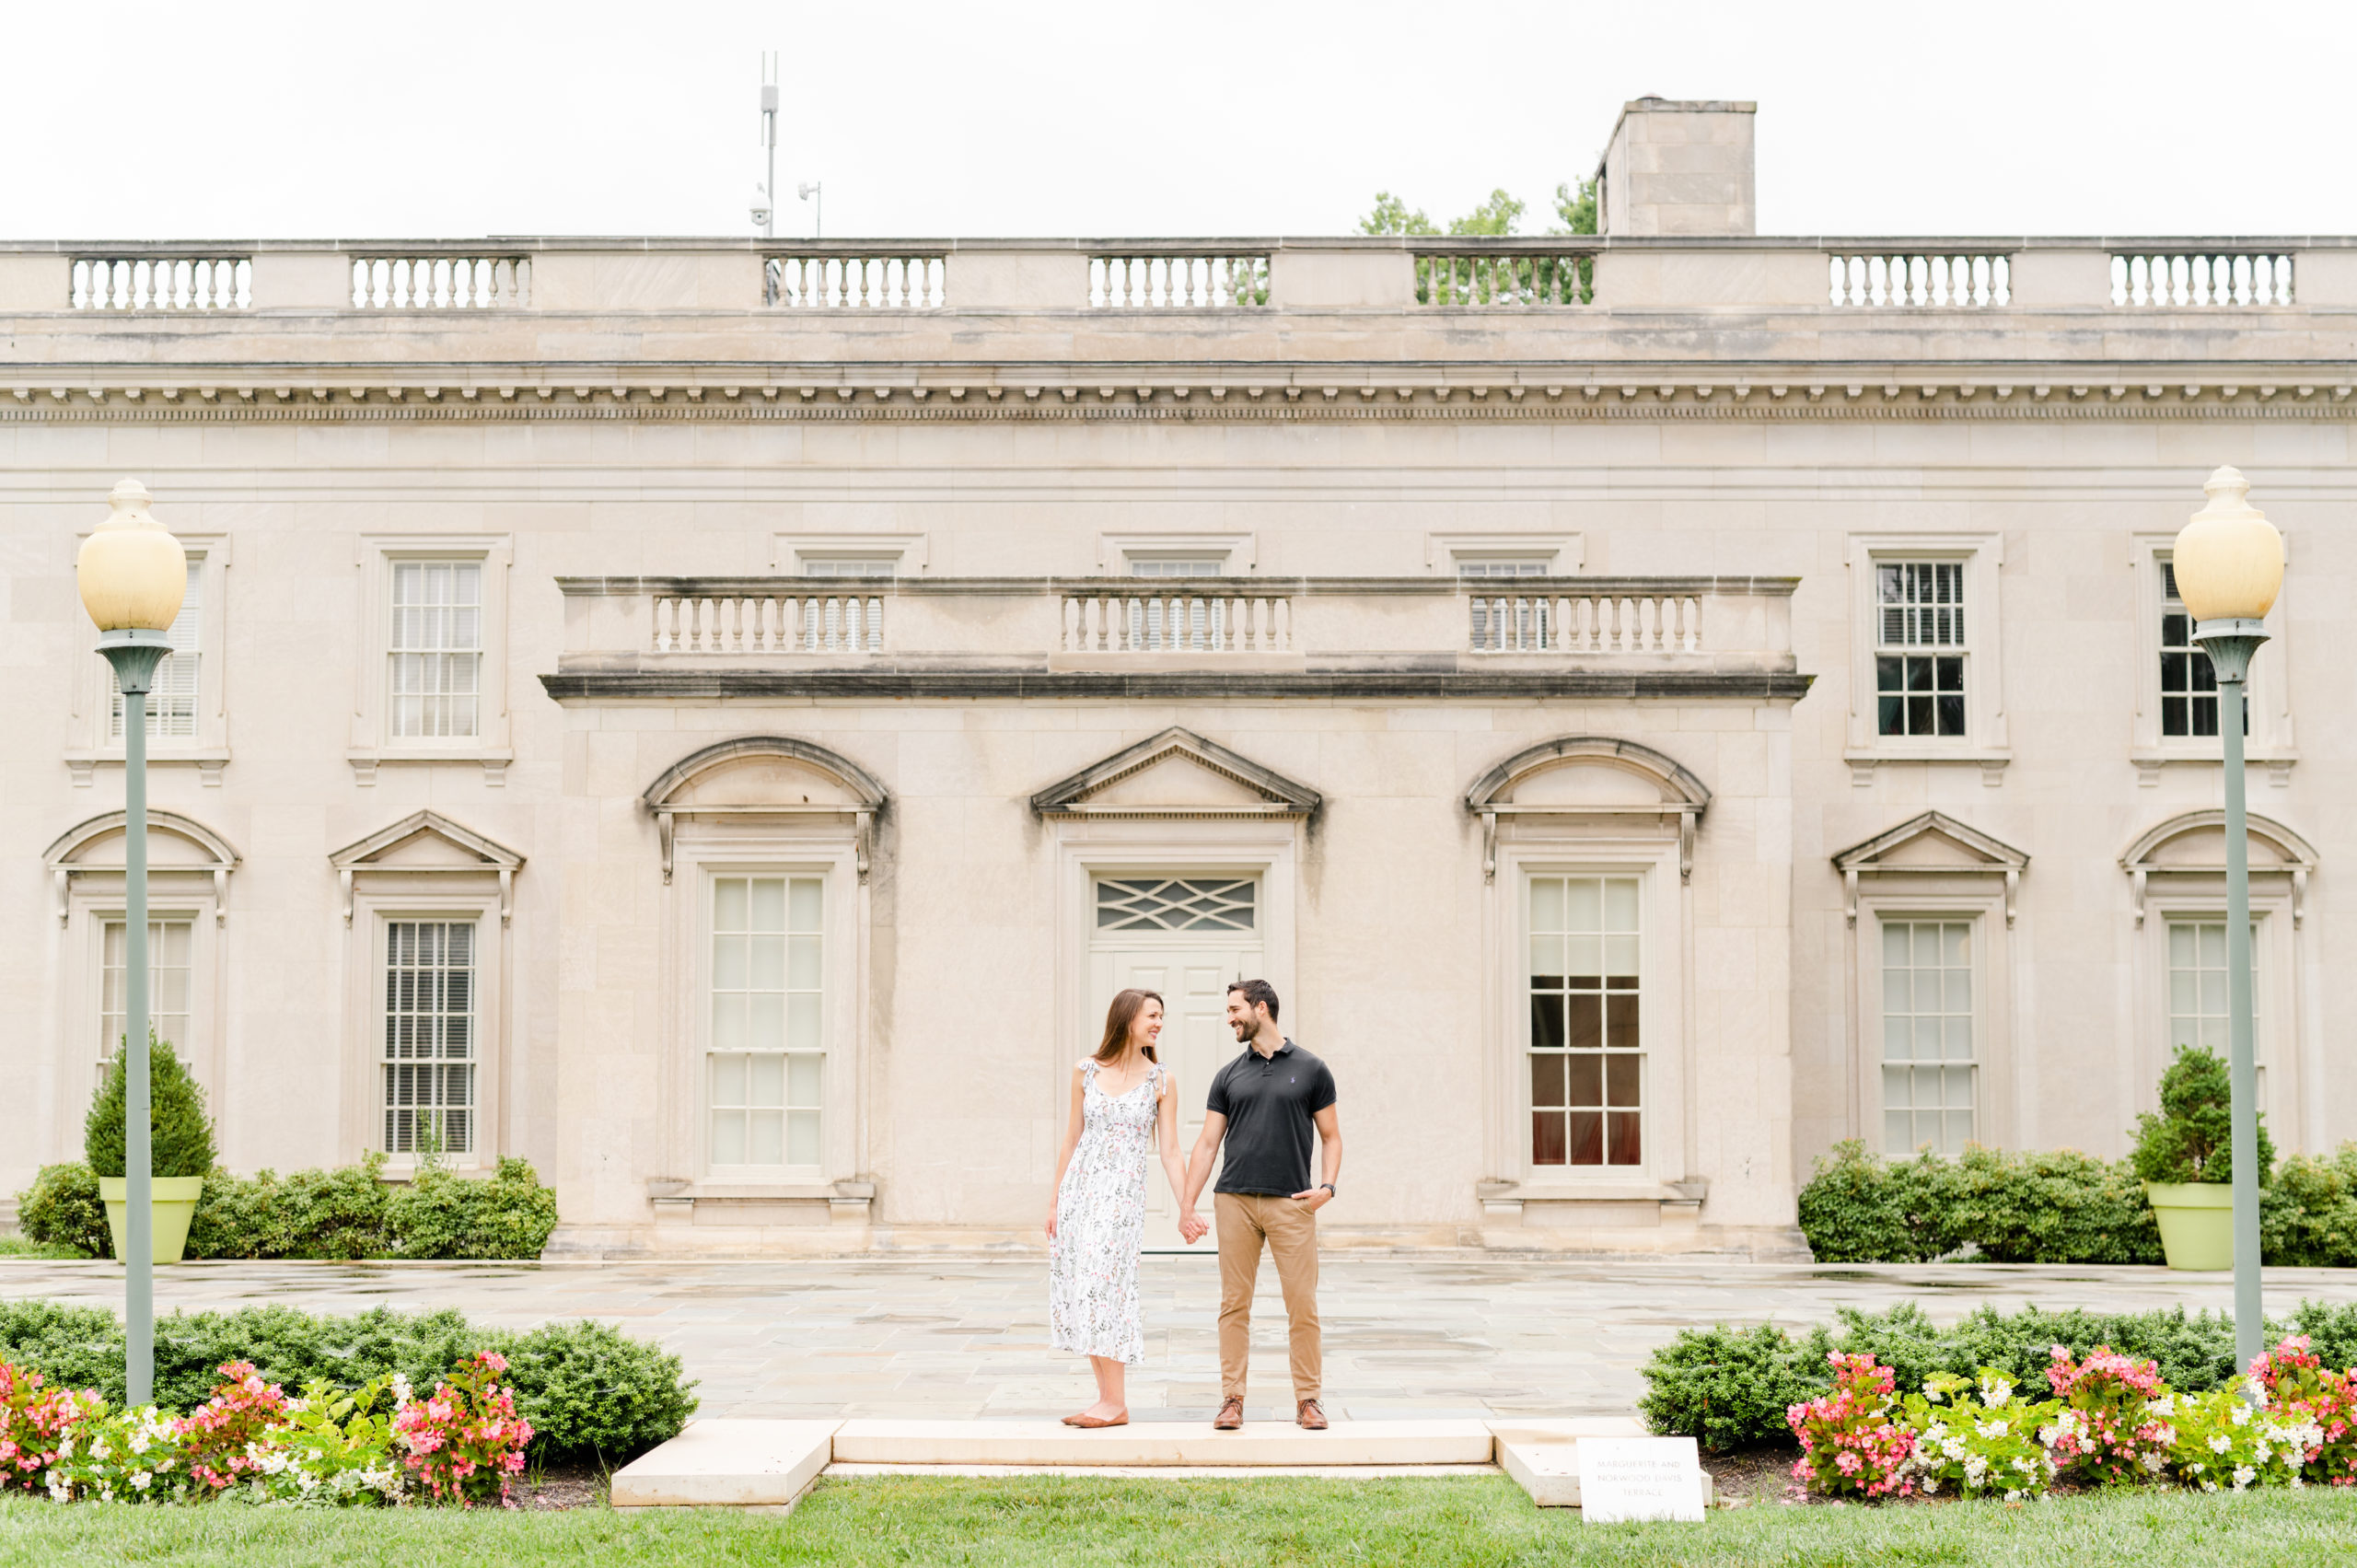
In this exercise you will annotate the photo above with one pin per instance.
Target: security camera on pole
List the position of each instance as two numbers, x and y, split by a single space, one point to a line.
2229 564
133 574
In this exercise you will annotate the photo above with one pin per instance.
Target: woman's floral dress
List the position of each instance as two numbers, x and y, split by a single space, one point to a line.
1100 1220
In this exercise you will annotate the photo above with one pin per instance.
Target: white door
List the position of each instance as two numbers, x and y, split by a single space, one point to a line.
1186 938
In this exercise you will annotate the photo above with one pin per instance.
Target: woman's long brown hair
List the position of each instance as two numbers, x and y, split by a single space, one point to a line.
1125 1011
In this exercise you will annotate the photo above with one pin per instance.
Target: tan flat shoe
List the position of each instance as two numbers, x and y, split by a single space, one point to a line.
1094 1421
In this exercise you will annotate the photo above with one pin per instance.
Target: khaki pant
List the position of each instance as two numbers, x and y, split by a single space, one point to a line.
1289 1228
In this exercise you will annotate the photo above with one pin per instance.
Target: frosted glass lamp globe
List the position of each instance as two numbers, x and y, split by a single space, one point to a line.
132 572
2229 559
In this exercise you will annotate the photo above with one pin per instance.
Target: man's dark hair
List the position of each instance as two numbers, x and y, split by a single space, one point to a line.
1257 993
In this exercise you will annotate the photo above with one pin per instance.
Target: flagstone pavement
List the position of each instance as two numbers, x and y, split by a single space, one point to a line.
1424 1334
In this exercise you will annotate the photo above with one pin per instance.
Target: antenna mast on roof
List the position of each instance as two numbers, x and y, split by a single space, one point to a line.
765 200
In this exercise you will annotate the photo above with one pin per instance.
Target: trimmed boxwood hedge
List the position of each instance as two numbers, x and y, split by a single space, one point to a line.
347 1213
591 1392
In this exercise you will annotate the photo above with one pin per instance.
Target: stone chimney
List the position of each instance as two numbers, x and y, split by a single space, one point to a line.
1679 167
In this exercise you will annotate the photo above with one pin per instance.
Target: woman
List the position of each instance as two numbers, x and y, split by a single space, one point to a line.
1123 1107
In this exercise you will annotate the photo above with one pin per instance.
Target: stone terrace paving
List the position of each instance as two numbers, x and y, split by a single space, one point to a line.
964 1336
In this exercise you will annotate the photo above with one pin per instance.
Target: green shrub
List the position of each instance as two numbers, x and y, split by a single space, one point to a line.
2192 1138
2331 1331
62 1208
1729 1387
336 1214
442 1216
593 1393
2309 1214
589 1390
180 1133
2055 1206
1860 1208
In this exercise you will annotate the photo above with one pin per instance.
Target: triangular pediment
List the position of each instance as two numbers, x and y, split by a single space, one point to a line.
425 841
1931 844
1176 774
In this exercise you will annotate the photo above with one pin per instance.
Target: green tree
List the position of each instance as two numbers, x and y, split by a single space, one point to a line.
1497 216
1391 216
1576 204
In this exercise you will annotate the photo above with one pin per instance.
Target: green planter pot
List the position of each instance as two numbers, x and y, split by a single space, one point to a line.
172 1201
2197 1223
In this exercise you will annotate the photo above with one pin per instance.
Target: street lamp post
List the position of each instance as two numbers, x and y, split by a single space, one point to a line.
2229 564
133 574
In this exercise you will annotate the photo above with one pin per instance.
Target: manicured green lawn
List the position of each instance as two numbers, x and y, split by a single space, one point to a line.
1202 1522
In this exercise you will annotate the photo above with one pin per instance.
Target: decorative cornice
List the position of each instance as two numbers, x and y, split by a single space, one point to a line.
1280 795
1208 685
2322 399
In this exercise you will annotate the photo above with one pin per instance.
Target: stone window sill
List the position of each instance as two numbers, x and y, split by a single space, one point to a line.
1991 760
208 761
492 760
2149 760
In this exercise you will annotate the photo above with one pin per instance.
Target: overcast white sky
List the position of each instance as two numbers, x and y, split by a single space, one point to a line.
1150 117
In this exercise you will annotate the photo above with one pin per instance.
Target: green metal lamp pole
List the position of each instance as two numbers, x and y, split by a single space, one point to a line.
2229 644
2229 566
134 655
132 576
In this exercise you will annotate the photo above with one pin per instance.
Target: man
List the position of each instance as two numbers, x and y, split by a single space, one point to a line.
1264 1104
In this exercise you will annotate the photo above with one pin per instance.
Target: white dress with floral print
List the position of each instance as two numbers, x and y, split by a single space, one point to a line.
1100 1221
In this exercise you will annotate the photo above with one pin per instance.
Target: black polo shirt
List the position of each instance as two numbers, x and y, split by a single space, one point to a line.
1269 1103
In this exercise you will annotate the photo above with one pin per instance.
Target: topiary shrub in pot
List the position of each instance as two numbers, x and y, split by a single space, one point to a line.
2185 1157
179 1145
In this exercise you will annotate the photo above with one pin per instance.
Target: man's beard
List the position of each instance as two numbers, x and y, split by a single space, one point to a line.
1245 1028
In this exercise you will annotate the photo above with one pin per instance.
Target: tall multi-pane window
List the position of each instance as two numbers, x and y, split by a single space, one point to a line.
1927 1035
2199 1015
1588 1066
429 1036
2188 685
437 649
172 695
169 946
767 1049
1919 649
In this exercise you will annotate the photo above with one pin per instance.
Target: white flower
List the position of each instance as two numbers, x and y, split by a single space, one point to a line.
142 1480
1993 1428
2154 1461
2218 1443
2239 1413
139 1440
2243 1476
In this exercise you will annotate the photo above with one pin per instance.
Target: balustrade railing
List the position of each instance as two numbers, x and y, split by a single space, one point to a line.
1514 279
1172 622
881 282
441 283
1565 622
187 283
2195 278
1176 283
780 622
1882 278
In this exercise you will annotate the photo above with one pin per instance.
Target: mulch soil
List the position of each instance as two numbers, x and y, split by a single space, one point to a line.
561 1487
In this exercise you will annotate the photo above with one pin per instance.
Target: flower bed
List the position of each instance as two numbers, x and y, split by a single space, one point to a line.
462 1443
1730 1388
585 1391
2112 1421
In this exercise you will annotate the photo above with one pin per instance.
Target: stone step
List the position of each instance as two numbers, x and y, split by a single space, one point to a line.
735 1464
1161 1443
1543 1457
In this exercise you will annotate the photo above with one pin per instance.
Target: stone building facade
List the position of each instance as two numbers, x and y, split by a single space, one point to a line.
718 719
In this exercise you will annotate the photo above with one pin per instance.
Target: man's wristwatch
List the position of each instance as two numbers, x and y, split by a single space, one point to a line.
1330 1187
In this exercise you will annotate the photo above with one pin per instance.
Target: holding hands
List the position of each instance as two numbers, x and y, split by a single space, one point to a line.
1191 1226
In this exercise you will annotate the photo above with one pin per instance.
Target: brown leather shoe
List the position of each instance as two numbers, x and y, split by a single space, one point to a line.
1310 1416
1230 1417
